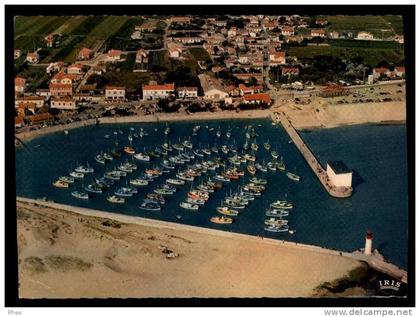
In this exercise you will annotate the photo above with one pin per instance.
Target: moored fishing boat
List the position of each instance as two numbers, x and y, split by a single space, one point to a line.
142 157
77 175
276 213
195 201
254 146
272 166
274 154
107 156
281 166
80 195
115 199
258 181
293 176
227 211
150 206
138 182
261 167
100 159
84 169
67 179
267 145
275 222
221 220
251 169
276 229
281 204
60 184
174 181
94 188
189 206
129 150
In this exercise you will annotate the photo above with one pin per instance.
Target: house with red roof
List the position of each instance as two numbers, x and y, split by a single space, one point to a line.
287 30
399 71
75 69
32 57
257 99
289 71
84 54
114 55
63 103
38 101
19 122
318 33
381 71
277 58
59 89
17 53
20 85
152 92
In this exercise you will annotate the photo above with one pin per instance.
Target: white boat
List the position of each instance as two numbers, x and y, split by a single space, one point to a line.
293 176
138 182
84 169
281 204
77 174
189 206
174 181
115 199
80 195
142 157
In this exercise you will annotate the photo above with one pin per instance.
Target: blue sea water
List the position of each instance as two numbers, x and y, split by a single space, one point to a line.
377 154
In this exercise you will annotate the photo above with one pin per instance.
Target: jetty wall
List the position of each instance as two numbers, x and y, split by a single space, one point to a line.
320 172
375 261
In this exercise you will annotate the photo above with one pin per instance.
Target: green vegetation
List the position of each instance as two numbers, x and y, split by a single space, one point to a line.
199 53
112 223
377 25
67 263
129 80
36 76
128 64
40 26
122 37
87 25
367 44
371 57
396 22
159 61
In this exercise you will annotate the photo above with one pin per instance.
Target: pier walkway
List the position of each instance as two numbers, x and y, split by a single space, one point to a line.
320 172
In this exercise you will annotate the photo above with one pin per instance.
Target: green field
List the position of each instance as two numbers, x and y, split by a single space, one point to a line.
379 26
122 37
129 80
370 56
36 77
367 44
77 32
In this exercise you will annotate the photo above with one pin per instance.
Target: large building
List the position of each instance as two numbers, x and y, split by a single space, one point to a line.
114 93
152 92
212 88
339 174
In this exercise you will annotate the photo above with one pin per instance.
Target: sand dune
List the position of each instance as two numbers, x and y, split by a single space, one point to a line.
68 255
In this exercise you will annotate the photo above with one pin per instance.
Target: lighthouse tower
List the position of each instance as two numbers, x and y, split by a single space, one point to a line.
368 243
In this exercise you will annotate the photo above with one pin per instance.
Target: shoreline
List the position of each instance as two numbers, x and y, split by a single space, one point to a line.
375 261
302 128
101 257
164 117
177 226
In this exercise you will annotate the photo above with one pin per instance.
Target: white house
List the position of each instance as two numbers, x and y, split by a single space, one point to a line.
187 92
318 33
152 92
363 35
339 174
17 53
287 30
212 87
75 69
63 103
114 55
38 101
175 50
114 93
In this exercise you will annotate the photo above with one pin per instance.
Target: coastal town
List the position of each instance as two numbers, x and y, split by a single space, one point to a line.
71 70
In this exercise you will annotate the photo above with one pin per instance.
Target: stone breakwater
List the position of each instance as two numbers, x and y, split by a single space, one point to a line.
320 172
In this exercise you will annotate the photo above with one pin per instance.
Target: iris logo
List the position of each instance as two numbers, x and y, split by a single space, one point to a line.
389 285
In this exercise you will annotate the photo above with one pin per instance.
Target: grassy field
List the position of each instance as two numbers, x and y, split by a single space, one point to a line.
199 53
36 77
122 37
396 22
129 80
378 25
159 59
370 56
367 44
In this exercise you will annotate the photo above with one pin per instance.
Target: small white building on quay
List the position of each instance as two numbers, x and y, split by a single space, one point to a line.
339 174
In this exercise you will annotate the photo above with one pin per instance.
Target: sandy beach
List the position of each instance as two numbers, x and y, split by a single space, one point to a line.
330 116
63 254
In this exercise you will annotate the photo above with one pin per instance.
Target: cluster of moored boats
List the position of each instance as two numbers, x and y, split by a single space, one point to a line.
277 211
183 163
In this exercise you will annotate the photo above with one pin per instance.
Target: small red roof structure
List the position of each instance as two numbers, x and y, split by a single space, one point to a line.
258 97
